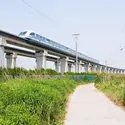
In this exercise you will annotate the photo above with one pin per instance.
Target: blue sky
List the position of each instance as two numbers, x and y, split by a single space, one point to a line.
100 23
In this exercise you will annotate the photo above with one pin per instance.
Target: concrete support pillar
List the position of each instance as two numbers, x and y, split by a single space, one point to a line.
94 68
103 69
111 70
2 56
86 67
57 66
98 69
2 44
114 71
120 71
73 67
69 67
64 65
41 59
123 71
76 68
91 68
11 60
80 69
106 69
117 71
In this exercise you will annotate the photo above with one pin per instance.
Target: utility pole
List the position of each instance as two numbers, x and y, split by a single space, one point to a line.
107 75
75 36
106 65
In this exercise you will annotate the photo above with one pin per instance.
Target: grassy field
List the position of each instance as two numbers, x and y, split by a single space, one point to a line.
34 101
114 88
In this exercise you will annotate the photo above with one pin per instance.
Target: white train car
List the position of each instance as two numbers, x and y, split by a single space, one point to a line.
36 37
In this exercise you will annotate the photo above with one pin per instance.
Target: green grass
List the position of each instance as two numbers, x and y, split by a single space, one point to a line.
82 73
23 72
114 88
34 101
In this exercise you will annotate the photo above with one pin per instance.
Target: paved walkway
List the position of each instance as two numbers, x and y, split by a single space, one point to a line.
88 106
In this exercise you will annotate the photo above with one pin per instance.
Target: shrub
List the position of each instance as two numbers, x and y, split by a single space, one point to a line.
33 101
82 73
114 88
23 72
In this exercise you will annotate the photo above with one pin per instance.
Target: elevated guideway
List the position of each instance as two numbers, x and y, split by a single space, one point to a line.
64 61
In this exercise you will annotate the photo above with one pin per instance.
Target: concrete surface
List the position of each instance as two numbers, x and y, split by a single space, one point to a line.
88 106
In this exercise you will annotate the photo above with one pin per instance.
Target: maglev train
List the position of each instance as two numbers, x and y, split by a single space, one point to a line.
36 37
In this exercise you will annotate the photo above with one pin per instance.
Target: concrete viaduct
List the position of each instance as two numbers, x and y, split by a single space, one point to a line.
12 46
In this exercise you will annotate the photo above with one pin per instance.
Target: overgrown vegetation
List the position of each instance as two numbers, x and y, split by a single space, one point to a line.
22 72
82 73
34 101
113 86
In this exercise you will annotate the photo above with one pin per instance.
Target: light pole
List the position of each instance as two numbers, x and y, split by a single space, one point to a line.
75 36
106 65
106 76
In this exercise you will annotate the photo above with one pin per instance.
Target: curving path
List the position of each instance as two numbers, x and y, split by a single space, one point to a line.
88 106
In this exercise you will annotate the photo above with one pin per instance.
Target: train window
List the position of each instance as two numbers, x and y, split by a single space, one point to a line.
44 39
37 35
50 42
22 33
47 40
32 34
40 37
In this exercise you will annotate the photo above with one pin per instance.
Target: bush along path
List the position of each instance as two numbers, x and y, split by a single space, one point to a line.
24 72
34 101
114 88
